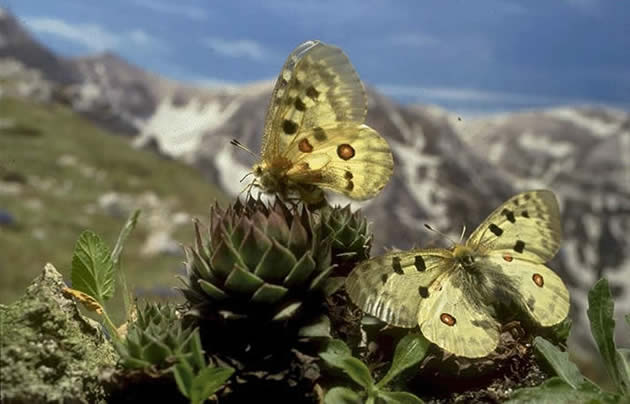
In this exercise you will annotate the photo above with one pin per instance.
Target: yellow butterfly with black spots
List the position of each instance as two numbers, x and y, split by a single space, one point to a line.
315 137
452 294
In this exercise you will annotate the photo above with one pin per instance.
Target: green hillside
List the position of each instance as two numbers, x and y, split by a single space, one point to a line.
54 167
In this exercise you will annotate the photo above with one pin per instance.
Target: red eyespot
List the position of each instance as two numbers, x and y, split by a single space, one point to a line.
508 258
448 319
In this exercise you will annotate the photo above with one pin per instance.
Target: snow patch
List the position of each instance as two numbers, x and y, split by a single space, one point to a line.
422 190
231 171
542 144
179 129
596 126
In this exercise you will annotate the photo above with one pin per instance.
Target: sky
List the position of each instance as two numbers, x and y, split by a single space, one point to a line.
471 57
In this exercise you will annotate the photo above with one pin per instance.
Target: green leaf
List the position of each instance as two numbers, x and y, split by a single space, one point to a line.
556 391
115 256
409 352
184 376
197 358
207 382
398 397
342 395
559 362
600 312
320 328
338 347
353 367
623 361
92 268
124 234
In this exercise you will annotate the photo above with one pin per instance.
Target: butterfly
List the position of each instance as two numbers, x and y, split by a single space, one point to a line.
314 135
451 294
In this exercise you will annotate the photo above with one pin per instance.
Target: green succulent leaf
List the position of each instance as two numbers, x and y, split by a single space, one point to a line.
556 391
342 395
559 362
207 382
398 397
409 352
196 350
156 351
184 375
600 313
320 328
332 284
92 267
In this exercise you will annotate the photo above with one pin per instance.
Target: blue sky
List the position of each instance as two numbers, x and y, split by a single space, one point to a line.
468 56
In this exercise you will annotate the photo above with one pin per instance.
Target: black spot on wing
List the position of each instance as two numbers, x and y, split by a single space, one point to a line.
299 105
419 263
424 292
289 127
495 229
509 215
396 265
519 246
384 278
312 93
525 214
319 134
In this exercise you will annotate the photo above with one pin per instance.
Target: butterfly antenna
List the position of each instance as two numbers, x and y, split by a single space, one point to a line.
246 175
440 233
461 237
239 145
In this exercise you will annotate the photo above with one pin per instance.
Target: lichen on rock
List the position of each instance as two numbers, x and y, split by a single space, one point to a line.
50 351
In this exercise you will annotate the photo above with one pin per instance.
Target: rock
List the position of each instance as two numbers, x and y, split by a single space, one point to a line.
50 352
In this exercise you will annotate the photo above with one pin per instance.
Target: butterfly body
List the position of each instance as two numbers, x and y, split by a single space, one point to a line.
314 136
453 294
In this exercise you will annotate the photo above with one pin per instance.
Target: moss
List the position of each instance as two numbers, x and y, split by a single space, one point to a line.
50 352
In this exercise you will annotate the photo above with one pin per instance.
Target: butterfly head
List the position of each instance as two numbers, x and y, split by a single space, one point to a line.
464 255
272 177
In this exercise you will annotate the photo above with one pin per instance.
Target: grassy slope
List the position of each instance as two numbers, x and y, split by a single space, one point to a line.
43 133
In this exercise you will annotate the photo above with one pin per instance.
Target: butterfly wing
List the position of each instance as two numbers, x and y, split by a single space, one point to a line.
540 291
449 318
525 227
317 87
347 158
392 287
514 242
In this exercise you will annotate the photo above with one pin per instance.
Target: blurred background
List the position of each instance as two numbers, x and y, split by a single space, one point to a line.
110 106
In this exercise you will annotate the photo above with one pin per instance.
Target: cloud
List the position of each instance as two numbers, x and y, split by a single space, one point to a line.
92 36
445 94
182 10
238 48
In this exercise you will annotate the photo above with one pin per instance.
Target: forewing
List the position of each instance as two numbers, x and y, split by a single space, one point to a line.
391 287
317 87
455 323
539 290
527 227
347 158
